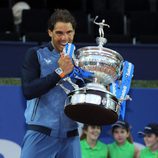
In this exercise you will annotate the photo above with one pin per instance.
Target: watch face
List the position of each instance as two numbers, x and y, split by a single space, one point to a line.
59 71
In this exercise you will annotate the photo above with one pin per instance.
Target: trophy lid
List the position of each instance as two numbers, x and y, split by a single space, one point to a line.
97 50
105 63
101 40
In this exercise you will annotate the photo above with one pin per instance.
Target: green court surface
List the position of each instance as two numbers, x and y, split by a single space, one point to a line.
135 83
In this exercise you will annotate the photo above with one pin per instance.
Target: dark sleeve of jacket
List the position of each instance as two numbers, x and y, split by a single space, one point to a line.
32 85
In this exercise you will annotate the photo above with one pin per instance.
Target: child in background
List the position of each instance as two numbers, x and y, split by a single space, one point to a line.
150 134
123 146
91 147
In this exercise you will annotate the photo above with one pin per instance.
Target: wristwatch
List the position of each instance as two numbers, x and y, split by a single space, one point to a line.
60 72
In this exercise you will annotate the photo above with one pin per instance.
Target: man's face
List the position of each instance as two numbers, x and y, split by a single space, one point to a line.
61 35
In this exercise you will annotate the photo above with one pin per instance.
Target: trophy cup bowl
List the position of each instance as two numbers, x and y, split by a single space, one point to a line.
94 104
105 63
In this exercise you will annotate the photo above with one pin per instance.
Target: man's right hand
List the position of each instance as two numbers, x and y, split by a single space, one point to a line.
65 63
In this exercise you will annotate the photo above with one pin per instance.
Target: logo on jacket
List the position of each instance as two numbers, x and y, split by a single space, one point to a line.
48 61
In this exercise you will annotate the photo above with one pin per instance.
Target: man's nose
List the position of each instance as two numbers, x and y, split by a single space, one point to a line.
64 36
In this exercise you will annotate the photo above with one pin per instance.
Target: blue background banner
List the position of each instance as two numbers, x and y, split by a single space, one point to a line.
139 112
144 58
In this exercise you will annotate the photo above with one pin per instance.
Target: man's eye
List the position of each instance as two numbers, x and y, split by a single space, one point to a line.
69 32
59 32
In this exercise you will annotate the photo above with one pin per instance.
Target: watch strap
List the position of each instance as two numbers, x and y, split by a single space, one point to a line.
60 72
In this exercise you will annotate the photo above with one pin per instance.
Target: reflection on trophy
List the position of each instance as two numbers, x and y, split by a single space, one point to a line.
94 103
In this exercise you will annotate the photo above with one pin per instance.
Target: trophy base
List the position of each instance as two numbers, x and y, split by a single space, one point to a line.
91 114
93 105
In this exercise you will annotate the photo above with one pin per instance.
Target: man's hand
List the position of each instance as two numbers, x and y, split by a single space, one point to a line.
65 63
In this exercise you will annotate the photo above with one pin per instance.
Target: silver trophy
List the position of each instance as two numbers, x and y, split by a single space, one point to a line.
94 103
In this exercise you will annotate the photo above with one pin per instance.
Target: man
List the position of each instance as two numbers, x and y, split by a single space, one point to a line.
150 135
50 134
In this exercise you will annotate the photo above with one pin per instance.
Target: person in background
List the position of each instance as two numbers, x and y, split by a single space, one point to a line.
150 135
91 147
50 133
17 10
123 146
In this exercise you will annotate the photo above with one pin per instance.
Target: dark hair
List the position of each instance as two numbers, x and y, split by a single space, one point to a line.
61 15
149 129
85 127
123 125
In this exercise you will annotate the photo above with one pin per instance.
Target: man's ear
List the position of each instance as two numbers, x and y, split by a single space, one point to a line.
50 33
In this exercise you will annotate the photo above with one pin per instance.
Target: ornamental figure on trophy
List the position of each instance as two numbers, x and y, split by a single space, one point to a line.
101 40
101 26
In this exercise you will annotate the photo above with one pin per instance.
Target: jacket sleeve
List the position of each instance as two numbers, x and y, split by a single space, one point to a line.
32 85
